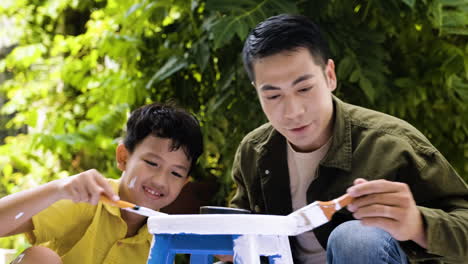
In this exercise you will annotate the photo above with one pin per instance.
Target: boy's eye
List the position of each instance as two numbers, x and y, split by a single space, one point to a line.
154 164
177 174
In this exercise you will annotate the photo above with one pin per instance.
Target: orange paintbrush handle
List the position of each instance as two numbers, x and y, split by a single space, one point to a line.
330 207
344 200
120 203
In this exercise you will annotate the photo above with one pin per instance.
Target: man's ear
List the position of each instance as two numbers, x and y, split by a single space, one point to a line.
121 155
331 75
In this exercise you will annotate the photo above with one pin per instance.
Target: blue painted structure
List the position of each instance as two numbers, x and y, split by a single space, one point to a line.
200 247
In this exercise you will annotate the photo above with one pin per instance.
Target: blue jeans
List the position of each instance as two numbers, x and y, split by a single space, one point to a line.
353 243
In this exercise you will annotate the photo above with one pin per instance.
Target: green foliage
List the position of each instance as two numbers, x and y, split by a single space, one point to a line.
81 66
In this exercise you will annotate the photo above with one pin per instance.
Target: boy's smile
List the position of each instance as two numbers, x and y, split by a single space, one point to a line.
154 173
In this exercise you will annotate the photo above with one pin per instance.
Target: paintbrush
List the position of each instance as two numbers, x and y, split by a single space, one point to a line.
318 213
131 207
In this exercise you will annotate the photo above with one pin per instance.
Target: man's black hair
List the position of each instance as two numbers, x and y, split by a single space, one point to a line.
284 33
165 121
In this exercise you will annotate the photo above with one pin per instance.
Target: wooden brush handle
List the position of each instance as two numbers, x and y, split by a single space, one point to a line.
120 203
329 207
344 200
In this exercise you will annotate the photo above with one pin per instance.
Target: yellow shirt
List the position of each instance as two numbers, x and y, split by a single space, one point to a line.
82 233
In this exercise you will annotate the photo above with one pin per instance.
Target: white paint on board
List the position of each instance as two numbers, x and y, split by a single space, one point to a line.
218 224
246 249
19 215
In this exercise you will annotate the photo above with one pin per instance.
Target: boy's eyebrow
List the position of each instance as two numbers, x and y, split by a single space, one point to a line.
181 167
268 87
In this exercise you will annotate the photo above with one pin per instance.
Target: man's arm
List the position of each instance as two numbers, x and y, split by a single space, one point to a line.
432 210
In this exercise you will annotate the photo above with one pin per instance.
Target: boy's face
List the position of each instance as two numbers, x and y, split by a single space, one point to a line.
154 175
295 94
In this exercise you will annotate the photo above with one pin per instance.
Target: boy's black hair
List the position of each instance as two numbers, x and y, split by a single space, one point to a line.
284 33
165 121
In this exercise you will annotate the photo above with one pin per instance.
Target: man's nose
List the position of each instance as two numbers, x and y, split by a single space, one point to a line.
293 108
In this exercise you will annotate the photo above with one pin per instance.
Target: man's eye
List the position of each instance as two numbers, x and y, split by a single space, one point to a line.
154 164
305 89
177 174
273 97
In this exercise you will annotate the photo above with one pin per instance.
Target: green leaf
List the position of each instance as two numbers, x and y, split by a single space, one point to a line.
405 83
241 15
132 9
410 3
345 67
355 76
202 54
173 65
461 87
366 87
225 29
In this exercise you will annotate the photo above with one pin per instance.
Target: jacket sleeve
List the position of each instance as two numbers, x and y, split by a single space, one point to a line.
240 199
442 198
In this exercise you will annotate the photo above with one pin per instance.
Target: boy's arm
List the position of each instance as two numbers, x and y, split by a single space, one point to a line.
17 210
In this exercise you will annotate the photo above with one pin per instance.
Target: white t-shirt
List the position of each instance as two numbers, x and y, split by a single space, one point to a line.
302 171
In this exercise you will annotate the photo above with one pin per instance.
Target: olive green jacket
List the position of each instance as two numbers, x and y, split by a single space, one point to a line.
366 144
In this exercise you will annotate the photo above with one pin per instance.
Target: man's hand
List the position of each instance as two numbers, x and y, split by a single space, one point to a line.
85 187
390 206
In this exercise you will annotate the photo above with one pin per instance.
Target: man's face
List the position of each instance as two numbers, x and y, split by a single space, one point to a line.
154 175
295 94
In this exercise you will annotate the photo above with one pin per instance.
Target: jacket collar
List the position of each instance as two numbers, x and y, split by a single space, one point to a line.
340 153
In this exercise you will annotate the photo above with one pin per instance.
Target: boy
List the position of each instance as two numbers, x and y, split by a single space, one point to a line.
66 222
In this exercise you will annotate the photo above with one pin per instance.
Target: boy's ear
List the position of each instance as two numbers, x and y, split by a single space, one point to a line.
121 155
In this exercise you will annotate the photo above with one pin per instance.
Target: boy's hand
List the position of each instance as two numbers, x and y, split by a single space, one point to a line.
86 187
390 206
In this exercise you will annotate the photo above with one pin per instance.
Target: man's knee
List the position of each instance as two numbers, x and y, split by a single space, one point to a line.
364 244
353 234
38 255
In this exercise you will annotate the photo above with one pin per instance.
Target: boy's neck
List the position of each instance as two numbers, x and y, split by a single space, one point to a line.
134 222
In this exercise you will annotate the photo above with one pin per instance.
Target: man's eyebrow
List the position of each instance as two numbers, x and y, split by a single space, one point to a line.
268 87
302 78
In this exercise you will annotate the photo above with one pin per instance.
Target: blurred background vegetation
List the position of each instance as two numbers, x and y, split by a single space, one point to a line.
72 70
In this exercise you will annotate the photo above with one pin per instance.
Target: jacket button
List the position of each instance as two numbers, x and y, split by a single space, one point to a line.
267 172
257 208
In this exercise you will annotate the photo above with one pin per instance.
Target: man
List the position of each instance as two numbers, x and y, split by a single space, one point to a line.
409 203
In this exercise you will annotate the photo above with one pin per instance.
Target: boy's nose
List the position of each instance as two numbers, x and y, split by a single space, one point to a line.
160 182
